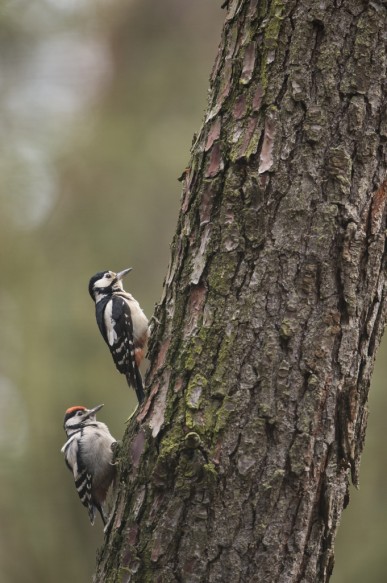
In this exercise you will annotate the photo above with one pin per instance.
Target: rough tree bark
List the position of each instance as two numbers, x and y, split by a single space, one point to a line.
237 467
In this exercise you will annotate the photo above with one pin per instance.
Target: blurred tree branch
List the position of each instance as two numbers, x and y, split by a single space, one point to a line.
237 467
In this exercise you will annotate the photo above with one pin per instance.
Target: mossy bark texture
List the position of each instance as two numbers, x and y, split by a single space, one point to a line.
237 467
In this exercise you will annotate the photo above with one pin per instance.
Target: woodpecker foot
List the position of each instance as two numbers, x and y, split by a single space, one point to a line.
153 322
115 447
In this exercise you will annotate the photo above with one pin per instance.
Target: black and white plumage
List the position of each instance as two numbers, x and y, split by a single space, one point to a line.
122 323
89 454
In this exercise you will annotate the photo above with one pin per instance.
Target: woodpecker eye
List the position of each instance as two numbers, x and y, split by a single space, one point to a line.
79 413
108 276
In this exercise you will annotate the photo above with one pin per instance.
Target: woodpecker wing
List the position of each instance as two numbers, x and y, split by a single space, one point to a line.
119 332
115 323
100 316
69 450
83 484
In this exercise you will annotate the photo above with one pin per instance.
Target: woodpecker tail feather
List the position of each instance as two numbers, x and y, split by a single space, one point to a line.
100 510
91 511
137 384
139 387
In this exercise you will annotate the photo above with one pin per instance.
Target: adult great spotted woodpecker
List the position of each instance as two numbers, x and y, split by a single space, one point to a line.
88 454
123 325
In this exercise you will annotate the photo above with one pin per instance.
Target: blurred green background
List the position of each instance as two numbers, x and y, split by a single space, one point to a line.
99 101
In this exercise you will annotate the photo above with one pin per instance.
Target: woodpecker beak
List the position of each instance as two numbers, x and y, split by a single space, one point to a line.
93 411
122 274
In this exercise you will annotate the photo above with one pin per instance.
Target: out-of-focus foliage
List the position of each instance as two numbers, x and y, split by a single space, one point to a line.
98 105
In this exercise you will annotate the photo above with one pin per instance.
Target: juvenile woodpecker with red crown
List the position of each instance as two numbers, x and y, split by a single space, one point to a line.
88 453
123 325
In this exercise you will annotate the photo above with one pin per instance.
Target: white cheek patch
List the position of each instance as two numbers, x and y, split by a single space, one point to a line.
103 282
109 323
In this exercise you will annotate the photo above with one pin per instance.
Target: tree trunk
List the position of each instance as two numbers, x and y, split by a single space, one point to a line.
237 467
